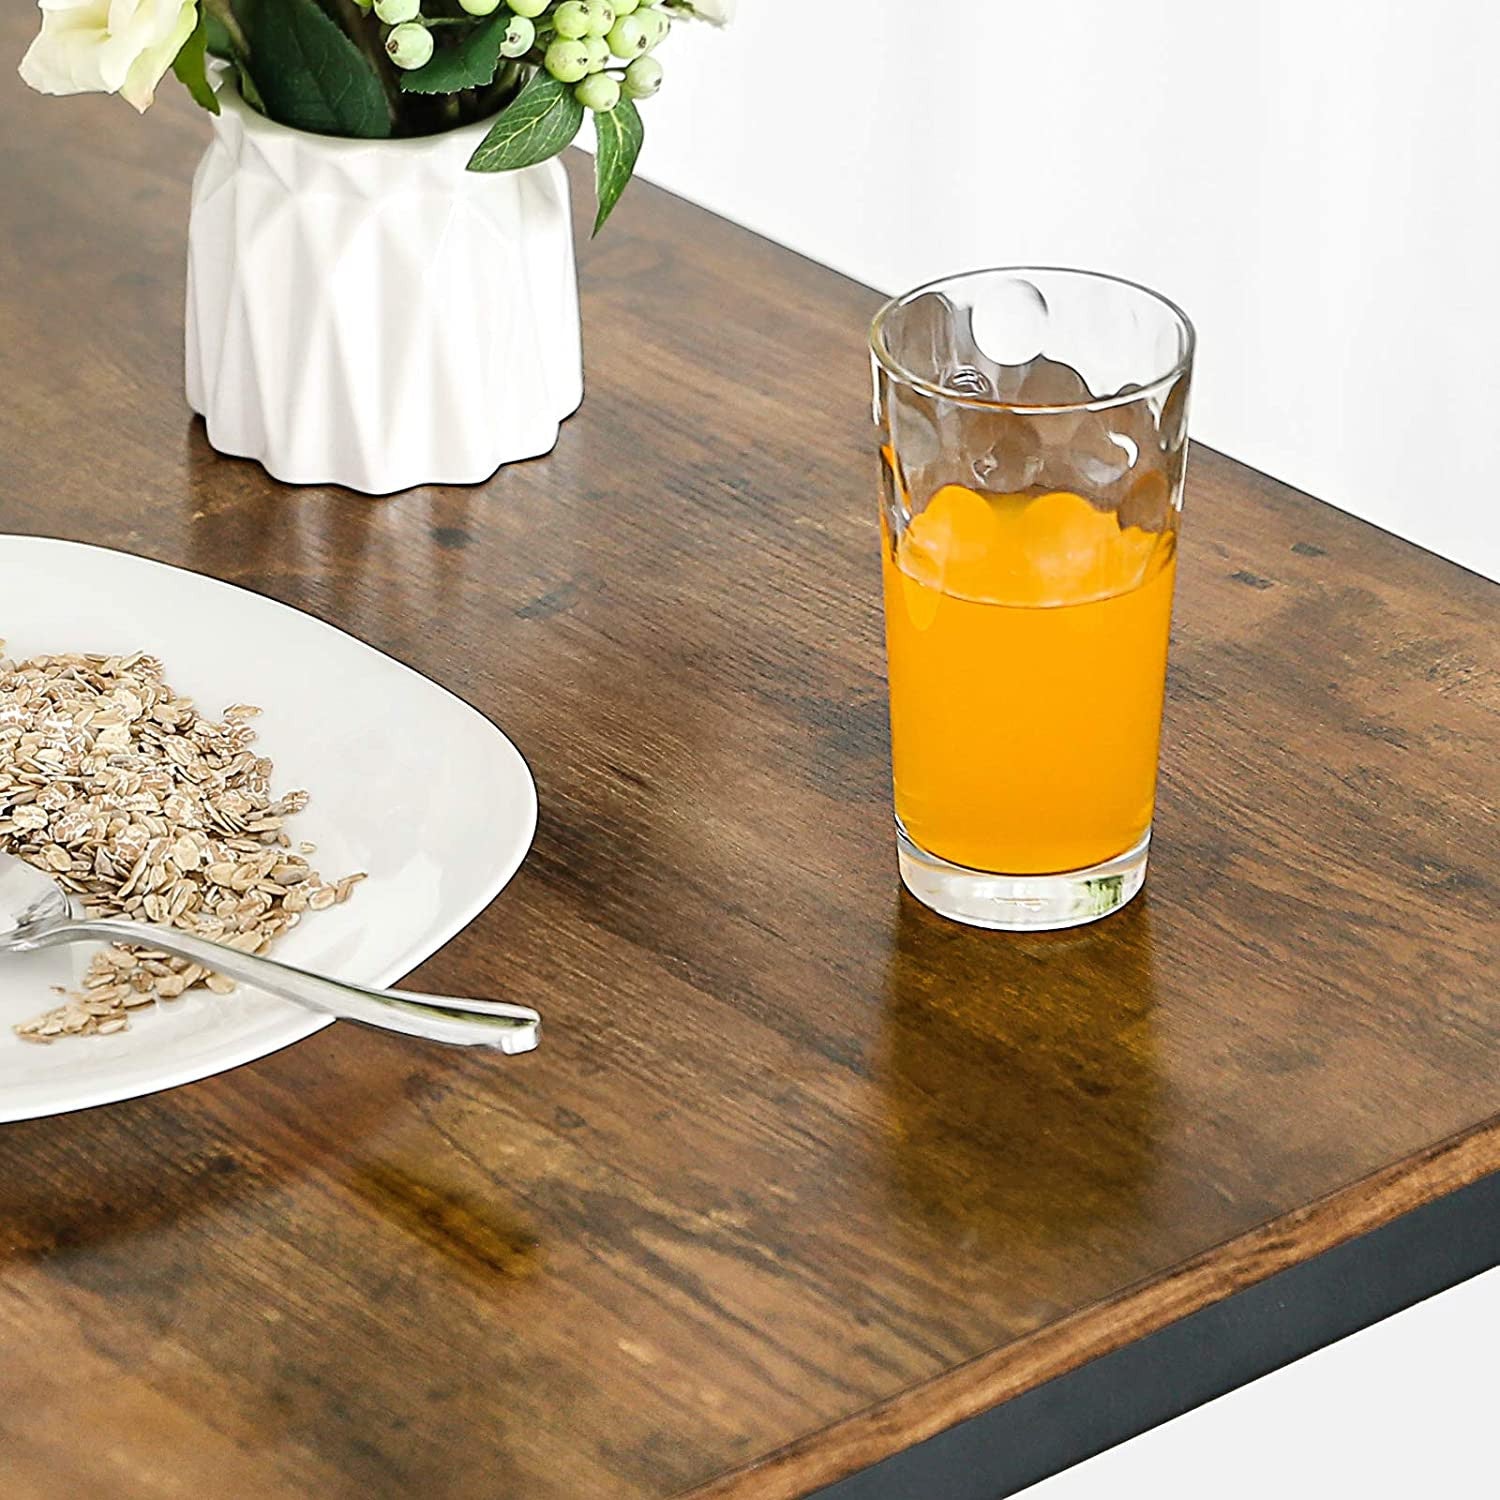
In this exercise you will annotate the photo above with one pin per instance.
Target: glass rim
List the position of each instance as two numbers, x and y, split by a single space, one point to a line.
894 368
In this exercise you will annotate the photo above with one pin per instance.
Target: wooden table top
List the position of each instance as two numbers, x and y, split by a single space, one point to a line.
801 1174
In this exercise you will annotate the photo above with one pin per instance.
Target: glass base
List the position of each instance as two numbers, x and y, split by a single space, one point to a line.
1021 903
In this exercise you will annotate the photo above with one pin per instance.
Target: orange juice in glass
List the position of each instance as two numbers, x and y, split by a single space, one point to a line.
1032 450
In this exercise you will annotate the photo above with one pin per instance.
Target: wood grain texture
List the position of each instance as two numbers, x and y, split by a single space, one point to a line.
801 1174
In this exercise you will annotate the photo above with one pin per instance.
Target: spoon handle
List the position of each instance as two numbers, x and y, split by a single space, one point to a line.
439 1018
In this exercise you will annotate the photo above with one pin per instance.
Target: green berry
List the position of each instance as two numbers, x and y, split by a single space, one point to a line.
599 93
624 7
643 78
410 45
656 24
571 20
480 7
394 12
601 16
567 60
528 9
598 53
627 37
520 37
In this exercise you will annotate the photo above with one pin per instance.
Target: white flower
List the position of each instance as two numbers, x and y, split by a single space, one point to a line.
720 12
107 46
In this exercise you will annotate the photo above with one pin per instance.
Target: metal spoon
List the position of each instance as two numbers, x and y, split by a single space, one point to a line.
35 914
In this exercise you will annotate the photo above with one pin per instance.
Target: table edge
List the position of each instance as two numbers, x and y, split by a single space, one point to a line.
842 1448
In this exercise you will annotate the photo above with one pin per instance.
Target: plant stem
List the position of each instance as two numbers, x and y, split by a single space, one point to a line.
223 12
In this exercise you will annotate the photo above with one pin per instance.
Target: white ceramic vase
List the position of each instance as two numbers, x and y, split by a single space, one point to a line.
370 314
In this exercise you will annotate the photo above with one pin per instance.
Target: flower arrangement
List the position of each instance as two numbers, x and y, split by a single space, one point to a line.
374 69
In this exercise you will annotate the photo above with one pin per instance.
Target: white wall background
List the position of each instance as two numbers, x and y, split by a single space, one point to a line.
1316 182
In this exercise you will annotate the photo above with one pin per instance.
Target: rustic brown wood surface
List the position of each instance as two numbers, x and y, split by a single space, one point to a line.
801 1174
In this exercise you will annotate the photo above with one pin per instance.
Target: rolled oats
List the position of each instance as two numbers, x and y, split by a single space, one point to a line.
140 806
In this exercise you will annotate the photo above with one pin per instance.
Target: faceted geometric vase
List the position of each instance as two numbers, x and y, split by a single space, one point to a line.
370 314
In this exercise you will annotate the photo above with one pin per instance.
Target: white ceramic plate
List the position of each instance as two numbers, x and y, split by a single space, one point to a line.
408 783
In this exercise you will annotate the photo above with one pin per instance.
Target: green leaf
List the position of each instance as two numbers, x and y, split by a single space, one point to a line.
191 67
470 65
620 135
248 91
311 76
216 39
542 119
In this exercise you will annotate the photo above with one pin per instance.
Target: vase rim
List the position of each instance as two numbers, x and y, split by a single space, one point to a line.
231 101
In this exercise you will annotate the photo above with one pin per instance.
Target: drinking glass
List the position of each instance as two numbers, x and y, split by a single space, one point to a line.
1033 434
